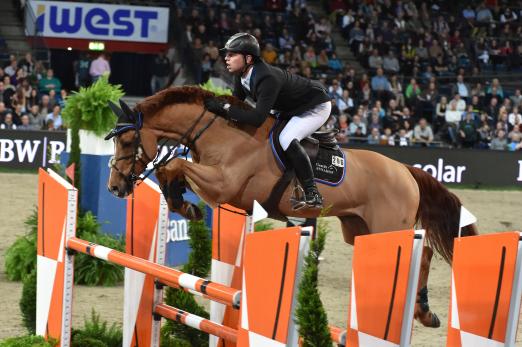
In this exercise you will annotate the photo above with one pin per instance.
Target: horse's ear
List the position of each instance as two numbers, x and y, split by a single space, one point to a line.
122 118
127 110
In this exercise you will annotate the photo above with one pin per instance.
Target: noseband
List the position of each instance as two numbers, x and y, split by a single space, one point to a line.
140 155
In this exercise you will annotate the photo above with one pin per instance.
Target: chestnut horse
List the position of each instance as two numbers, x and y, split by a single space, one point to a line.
233 164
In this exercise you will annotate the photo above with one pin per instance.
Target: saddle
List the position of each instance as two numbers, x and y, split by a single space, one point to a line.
328 161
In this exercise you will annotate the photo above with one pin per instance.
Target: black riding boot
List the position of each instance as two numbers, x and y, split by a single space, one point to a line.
303 170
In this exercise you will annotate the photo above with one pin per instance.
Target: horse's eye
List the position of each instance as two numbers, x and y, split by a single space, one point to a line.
125 144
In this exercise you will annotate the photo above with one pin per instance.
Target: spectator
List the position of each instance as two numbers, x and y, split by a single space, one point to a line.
422 133
396 89
516 98
375 61
460 105
508 16
390 63
499 142
335 111
493 109
452 119
334 63
160 73
3 111
380 83
345 102
515 117
8 90
357 127
8 123
375 120
62 98
36 119
335 90
322 60
516 144
375 137
99 67
356 37
49 83
468 12
310 57
387 138
269 54
428 100
27 63
412 92
468 131
484 15
55 117
401 138
82 78
342 135
495 89
26 125
10 70
483 132
461 88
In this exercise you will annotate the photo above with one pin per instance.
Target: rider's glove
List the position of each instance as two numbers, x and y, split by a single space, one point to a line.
217 106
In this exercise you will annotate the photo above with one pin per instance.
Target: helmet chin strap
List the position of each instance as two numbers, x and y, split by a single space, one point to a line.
245 68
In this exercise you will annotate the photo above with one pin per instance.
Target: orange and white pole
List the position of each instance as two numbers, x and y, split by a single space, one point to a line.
197 322
213 290
338 335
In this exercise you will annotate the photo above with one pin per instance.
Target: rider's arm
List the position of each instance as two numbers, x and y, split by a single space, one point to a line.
267 91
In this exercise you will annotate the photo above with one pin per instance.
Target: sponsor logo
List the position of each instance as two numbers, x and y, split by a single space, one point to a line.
444 173
101 21
178 230
25 151
327 169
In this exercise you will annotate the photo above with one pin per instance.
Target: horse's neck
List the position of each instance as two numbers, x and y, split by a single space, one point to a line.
220 137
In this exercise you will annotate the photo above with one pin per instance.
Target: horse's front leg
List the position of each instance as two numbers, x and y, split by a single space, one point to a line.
173 185
206 181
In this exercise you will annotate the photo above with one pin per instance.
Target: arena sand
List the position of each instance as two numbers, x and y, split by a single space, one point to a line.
496 211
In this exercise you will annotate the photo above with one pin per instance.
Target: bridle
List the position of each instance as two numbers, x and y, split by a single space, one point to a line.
129 120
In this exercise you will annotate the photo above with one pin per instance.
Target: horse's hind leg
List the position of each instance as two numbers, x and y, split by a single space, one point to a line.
422 309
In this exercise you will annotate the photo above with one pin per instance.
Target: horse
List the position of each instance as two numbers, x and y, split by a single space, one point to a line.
234 164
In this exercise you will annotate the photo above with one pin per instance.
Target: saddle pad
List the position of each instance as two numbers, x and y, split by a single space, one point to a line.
329 166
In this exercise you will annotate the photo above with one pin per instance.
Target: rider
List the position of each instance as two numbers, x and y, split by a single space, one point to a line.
303 101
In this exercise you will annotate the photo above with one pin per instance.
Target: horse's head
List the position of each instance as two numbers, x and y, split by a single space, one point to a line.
134 148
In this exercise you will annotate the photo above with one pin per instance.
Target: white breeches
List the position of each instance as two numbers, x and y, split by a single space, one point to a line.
305 124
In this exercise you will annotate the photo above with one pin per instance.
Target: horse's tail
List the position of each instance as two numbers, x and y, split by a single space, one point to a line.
439 213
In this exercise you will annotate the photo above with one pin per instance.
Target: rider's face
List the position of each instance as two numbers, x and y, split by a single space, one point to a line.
235 62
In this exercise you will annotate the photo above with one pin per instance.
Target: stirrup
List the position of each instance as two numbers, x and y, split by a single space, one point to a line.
297 199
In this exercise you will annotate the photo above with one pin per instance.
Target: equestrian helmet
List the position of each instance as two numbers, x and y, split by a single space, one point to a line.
242 43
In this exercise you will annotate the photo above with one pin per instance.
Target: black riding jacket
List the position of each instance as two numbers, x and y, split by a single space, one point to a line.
274 88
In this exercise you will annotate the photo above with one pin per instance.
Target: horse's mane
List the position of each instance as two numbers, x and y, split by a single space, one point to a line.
182 95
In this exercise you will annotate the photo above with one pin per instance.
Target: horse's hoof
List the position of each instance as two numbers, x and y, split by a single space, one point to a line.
428 319
194 213
435 321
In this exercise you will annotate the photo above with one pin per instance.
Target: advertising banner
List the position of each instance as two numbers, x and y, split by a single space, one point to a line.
102 22
24 149
458 166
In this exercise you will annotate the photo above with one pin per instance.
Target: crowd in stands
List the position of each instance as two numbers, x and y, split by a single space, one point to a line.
32 97
429 72
419 59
